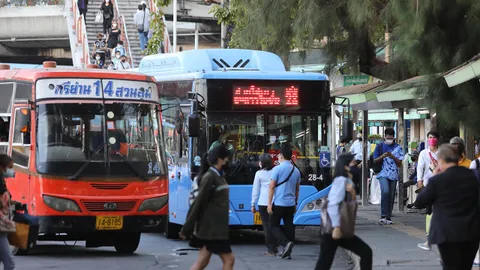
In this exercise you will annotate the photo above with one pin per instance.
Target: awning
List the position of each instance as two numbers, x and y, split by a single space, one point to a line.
361 93
469 70
404 90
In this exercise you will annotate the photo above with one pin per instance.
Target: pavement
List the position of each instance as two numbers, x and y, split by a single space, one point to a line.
395 246
156 252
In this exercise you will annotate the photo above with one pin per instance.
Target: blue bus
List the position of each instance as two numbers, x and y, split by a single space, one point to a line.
247 100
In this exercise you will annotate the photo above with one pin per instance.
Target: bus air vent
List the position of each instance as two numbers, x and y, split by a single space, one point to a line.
240 64
109 206
109 186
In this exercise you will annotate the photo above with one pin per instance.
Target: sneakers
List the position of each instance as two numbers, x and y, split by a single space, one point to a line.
287 250
425 246
386 221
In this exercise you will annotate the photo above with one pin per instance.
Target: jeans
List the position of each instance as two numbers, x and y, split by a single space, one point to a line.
458 255
328 247
143 36
288 233
388 188
270 240
6 256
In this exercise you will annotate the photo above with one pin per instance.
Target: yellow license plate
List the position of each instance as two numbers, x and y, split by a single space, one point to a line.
257 219
109 223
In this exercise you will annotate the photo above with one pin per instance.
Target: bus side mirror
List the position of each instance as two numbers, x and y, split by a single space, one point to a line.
194 123
23 121
347 129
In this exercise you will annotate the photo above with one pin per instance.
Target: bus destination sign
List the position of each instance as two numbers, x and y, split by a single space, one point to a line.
253 95
95 88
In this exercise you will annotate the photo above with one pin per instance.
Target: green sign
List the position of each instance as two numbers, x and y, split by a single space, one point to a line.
354 80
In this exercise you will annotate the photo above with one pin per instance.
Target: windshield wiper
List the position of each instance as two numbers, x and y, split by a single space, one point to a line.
80 170
130 166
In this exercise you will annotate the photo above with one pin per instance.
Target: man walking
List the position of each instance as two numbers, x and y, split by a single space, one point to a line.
282 200
390 154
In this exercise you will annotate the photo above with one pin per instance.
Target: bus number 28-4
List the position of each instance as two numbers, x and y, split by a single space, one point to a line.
314 177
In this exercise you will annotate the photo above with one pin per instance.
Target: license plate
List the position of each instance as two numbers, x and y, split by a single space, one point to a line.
109 223
257 219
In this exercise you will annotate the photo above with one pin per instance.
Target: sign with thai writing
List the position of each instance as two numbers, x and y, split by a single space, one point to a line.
355 80
96 88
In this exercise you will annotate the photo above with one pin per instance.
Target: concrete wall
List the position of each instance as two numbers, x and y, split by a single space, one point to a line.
34 22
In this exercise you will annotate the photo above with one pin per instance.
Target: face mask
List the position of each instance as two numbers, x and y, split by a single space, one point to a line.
108 1
9 173
388 141
98 57
433 142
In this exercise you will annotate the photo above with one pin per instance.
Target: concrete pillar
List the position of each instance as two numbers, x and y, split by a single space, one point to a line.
366 151
401 141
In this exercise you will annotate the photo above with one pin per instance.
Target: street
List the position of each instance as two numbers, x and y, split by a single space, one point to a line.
157 252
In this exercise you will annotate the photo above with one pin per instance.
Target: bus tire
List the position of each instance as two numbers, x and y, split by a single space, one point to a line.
172 230
128 243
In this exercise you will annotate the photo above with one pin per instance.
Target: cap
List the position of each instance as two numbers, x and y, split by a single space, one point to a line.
457 140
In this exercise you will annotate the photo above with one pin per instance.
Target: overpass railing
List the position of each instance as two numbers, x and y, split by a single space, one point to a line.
26 3
166 38
78 35
124 35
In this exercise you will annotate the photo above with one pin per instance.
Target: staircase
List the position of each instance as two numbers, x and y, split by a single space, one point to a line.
128 8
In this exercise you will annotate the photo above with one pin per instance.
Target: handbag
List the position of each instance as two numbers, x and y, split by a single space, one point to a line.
98 17
348 215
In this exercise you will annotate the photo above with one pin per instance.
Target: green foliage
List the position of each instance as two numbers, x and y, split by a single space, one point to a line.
158 27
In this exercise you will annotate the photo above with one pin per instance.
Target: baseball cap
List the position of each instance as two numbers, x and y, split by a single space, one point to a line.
457 140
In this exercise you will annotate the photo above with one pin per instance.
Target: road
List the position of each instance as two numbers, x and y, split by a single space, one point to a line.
157 252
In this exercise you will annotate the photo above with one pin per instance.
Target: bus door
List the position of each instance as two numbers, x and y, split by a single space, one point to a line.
20 151
183 168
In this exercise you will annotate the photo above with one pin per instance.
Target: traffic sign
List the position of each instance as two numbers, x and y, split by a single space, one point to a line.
325 158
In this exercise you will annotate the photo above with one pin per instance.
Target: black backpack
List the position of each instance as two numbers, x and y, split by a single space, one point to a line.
376 167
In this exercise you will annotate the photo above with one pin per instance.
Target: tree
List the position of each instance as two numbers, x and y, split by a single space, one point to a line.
430 37
158 28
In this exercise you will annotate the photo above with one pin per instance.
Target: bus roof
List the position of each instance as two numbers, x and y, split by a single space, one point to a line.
32 75
221 64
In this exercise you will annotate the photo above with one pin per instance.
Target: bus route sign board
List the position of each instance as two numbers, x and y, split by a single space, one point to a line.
354 80
96 88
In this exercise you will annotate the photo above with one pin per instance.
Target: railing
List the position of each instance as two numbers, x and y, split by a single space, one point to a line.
124 36
166 38
29 3
80 31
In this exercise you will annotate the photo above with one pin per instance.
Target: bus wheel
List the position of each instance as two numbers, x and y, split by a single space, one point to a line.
172 230
128 243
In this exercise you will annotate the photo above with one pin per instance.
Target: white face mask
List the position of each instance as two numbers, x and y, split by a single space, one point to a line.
107 1
9 173
117 56
389 141
98 57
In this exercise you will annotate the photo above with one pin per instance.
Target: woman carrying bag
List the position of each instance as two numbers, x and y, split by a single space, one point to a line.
338 219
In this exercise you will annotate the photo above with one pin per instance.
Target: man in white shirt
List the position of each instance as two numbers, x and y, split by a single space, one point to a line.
122 64
357 149
142 22
427 163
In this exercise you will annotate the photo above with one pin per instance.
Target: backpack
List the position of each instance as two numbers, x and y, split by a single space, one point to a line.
195 190
376 167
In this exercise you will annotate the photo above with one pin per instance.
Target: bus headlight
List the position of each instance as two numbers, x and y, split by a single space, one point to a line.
153 204
60 204
313 205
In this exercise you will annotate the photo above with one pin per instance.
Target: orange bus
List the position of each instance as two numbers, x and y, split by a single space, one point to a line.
88 153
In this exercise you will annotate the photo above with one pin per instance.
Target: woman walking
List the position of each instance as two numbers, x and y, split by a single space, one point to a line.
6 223
453 193
113 37
261 184
207 220
342 184
107 11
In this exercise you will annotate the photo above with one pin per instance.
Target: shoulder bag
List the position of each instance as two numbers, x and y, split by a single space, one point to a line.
348 215
140 27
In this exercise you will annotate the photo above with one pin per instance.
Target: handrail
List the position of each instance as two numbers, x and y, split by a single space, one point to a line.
126 42
77 34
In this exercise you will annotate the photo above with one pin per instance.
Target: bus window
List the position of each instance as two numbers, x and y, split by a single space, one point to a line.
21 137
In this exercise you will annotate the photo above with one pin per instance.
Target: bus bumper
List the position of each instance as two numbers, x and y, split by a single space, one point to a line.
86 224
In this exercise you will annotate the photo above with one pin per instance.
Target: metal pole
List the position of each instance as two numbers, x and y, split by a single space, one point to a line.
333 131
222 39
401 140
196 36
175 25
366 152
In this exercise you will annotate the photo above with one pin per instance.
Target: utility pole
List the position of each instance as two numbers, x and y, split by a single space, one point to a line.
222 38
175 6
196 36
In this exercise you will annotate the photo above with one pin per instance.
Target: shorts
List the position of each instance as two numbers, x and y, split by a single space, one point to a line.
213 246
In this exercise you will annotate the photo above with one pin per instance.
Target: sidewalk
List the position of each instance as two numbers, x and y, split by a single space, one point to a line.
395 246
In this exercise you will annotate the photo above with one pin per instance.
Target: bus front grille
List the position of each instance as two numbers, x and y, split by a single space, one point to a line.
109 186
104 206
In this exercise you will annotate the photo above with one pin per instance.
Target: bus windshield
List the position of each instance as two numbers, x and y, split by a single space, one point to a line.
106 137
